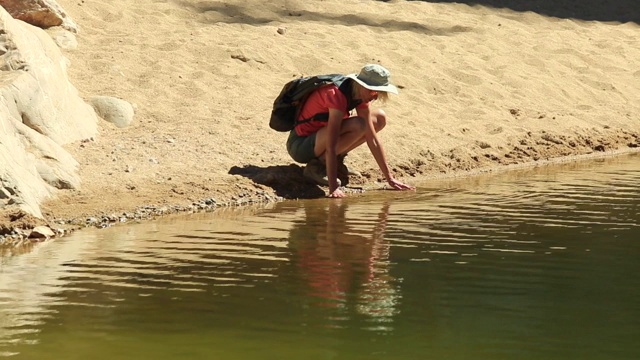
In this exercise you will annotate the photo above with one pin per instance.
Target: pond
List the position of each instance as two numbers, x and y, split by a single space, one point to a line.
528 264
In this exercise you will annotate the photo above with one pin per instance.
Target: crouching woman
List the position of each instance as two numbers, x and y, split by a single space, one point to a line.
325 131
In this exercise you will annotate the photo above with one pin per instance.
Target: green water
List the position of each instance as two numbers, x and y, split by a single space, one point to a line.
539 264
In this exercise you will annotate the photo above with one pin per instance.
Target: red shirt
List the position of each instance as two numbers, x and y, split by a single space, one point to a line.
320 101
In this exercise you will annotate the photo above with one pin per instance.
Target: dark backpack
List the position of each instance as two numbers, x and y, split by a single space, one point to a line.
288 104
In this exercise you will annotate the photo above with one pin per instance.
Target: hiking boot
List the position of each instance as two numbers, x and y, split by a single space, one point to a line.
343 173
316 171
344 170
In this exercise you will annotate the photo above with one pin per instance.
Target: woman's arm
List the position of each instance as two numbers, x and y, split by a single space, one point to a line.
333 134
375 146
377 150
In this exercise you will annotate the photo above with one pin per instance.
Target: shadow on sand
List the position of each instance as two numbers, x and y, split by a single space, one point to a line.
270 12
591 10
287 181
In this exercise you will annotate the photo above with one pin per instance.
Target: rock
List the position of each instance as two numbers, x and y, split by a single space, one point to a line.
63 38
40 13
42 232
40 95
114 110
39 112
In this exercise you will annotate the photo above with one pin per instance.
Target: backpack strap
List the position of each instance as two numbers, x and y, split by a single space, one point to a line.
345 85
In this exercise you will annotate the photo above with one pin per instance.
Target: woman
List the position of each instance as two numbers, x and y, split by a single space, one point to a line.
325 132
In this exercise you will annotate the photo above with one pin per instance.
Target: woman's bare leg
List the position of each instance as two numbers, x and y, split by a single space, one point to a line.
351 131
379 119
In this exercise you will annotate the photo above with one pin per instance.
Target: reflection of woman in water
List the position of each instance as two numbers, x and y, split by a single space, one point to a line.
342 262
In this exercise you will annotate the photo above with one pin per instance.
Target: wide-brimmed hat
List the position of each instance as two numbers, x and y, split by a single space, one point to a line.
374 77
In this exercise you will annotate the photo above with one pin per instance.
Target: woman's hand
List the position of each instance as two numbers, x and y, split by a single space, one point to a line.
397 185
337 193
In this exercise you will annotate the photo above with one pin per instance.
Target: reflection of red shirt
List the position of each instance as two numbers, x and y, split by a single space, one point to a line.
320 101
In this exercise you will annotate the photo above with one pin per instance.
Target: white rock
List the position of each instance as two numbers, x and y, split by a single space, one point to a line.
42 232
63 38
39 112
116 111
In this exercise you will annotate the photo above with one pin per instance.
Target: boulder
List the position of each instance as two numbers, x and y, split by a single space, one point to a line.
42 232
116 111
40 13
39 112
63 38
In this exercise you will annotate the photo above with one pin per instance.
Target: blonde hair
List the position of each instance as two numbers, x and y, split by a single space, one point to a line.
383 96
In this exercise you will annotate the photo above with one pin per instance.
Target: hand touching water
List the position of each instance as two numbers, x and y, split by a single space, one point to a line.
397 185
337 193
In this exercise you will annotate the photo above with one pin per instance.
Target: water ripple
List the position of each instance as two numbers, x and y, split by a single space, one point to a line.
497 247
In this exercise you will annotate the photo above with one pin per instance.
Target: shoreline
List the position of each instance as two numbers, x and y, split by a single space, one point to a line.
145 213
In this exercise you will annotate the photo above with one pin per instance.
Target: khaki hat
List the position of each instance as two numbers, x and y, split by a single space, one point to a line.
374 77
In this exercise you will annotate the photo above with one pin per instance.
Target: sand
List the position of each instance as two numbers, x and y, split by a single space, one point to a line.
481 89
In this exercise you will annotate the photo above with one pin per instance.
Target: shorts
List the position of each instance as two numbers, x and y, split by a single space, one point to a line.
301 147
